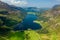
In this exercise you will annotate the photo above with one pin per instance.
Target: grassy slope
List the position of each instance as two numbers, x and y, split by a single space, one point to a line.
33 35
53 33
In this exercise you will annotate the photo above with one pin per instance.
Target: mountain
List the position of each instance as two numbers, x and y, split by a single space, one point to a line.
10 14
32 9
10 8
5 6
56 7
44 9
56 10
35 9
50 19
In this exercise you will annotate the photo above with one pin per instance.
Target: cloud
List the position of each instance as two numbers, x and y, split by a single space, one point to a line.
16 2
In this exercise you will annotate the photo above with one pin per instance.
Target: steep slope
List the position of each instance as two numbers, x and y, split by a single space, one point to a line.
50 20
10 14
11 8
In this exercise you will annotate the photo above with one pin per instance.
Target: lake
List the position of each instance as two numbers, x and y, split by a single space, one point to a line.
28 23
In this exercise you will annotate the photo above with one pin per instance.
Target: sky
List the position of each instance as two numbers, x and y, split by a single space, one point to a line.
33 3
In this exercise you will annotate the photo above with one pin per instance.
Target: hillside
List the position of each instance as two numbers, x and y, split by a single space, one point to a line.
11 9
11 16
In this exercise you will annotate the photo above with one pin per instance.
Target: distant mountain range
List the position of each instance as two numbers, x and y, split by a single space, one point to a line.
23 10
35 9
10 8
